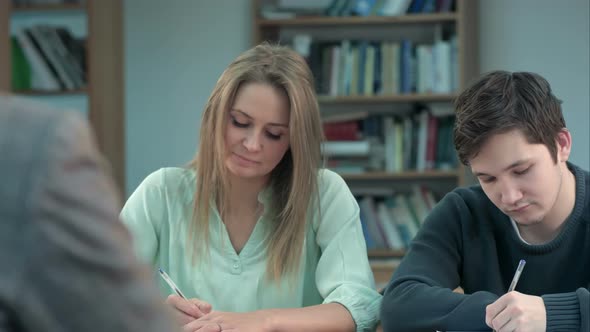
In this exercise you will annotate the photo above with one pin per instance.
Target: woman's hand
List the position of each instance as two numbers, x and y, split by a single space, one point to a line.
218 321
186 311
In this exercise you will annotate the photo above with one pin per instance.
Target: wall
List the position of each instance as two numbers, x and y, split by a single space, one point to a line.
174 52
551 38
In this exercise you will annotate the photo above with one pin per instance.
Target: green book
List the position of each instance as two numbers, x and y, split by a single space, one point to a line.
21 70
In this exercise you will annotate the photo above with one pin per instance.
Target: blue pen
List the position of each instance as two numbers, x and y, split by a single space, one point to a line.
171 283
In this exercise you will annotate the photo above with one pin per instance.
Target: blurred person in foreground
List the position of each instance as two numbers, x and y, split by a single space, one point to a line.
66 262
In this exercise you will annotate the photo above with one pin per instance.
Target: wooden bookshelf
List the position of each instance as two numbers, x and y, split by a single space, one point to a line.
50 92
386 253
104 89
48 7
421 29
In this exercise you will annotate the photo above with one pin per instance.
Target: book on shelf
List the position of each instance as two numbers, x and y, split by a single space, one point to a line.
56 59
392 230
357 148
408 226
394 7
391 221
418 141
21 70
381 68
41 76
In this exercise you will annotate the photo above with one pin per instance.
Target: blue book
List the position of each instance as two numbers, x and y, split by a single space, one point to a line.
406 66
363 45
368 240
416 6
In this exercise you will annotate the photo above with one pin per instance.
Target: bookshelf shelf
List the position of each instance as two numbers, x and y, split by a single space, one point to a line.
386 253
410 175
380 99
375 20
50 93
49 7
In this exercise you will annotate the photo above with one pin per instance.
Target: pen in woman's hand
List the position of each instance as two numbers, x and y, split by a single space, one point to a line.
171 283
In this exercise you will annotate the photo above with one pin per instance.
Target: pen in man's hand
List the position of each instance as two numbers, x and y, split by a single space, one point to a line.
171 283
516 275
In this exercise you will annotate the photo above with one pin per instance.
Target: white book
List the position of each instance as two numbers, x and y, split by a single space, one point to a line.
346 148
48 48
425 69
369 71
335 71
441 52
417 201
394 7
422 140
404 217
390 227
41 77
345 68
395 68
390 144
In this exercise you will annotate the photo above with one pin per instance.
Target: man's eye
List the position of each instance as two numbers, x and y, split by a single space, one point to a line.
524 171
486 180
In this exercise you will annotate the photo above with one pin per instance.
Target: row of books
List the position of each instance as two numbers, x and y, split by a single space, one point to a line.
392 222
286 9
46 57
418 141
368 68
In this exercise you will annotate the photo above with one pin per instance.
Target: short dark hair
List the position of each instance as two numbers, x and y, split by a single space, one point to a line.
501 101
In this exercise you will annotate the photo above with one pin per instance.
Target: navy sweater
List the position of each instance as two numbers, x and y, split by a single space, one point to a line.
467 241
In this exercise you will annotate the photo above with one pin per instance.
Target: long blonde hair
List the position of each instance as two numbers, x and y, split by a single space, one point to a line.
293 181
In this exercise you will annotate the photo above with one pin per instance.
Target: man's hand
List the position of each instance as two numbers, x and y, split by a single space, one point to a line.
517 312
216 321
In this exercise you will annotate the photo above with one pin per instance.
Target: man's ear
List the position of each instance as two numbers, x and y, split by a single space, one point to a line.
564 145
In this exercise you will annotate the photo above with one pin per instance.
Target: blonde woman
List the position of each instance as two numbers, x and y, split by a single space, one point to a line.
255 232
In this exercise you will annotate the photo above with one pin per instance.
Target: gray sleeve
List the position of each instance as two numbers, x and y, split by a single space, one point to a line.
80 273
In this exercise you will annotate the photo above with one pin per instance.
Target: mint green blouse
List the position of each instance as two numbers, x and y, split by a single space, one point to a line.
334 265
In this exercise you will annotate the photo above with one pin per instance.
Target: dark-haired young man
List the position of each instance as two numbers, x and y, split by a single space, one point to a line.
530 204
